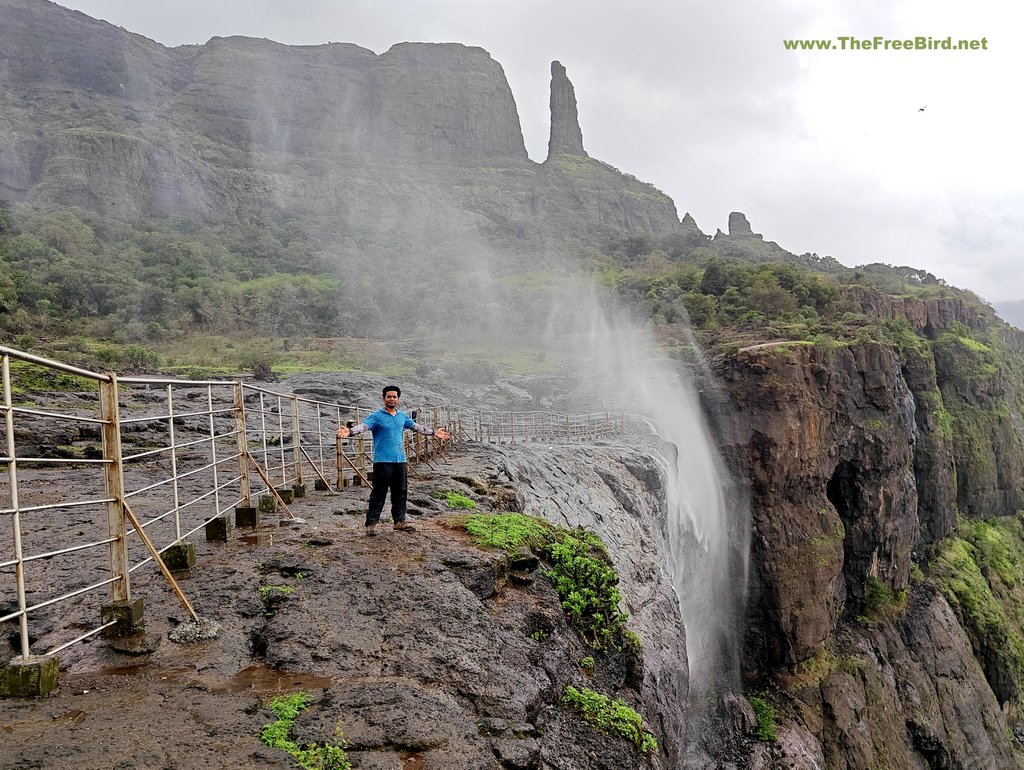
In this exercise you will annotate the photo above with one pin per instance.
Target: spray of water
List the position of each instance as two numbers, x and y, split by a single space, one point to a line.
707 519
617 365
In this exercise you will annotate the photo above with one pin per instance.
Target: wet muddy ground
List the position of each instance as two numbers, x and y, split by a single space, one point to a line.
203 705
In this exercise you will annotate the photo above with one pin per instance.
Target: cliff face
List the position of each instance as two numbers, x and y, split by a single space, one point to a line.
424 134
618 493
859 459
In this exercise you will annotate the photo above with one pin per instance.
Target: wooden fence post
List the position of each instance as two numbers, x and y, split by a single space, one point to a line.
241 443
296 439
113 477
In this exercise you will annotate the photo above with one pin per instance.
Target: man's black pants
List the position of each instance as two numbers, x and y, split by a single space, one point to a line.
393 477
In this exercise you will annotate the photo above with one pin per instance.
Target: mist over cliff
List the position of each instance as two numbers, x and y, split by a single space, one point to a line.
328 191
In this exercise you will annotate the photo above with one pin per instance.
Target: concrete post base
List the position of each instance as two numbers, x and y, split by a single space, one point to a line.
298 491
180 556
247 516
29 677
267 504
320 485
286 494
128 616
218 529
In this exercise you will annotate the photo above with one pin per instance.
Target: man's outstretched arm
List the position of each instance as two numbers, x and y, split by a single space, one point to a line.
344 431
441 433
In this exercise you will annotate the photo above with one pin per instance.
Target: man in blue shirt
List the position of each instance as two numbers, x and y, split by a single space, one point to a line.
388 426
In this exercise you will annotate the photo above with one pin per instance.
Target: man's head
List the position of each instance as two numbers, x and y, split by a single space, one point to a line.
391 394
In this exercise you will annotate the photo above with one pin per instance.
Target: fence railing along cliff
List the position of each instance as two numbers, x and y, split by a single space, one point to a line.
103 474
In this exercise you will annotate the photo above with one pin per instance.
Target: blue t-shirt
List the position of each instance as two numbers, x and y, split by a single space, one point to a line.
387 430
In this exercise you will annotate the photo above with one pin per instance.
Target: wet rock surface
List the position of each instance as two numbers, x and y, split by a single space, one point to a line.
418 646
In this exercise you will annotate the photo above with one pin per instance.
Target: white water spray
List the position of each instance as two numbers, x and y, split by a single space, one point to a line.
707 522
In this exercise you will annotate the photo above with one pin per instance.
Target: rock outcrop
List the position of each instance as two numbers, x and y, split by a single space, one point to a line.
859 458
833 496
566 136
618 492
739 227
418 649
741 242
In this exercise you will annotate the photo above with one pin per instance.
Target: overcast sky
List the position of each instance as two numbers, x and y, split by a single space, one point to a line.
905 157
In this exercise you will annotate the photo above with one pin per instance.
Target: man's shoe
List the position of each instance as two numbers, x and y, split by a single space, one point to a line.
404 526
371 530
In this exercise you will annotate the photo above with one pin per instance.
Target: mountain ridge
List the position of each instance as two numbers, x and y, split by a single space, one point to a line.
119 124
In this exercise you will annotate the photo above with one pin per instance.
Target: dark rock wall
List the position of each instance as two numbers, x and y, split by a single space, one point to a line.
859 459
833 497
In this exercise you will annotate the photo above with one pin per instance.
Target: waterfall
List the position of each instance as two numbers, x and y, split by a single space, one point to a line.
708 519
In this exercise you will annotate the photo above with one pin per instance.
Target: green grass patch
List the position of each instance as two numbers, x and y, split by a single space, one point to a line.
458 501
999 544
610 716
27 377
880 601
580 572
812 671
991 611
312 756
508 531
764 713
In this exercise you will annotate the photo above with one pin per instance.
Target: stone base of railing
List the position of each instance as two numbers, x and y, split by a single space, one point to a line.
180 556
29 677
247 516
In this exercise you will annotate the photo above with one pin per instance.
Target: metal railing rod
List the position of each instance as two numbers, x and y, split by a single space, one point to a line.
56 415
51 554
52 506
12 616
163 482
58 461
147 453
183 383
200 413
206 467
71 595
187 444
184 535
269 392
165 514
23 356
82 638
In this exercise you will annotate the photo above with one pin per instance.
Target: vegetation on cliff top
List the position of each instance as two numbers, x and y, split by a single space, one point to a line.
584 580
283 290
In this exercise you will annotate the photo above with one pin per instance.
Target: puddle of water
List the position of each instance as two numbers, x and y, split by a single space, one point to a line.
261 678
163 674
257 538
74 717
